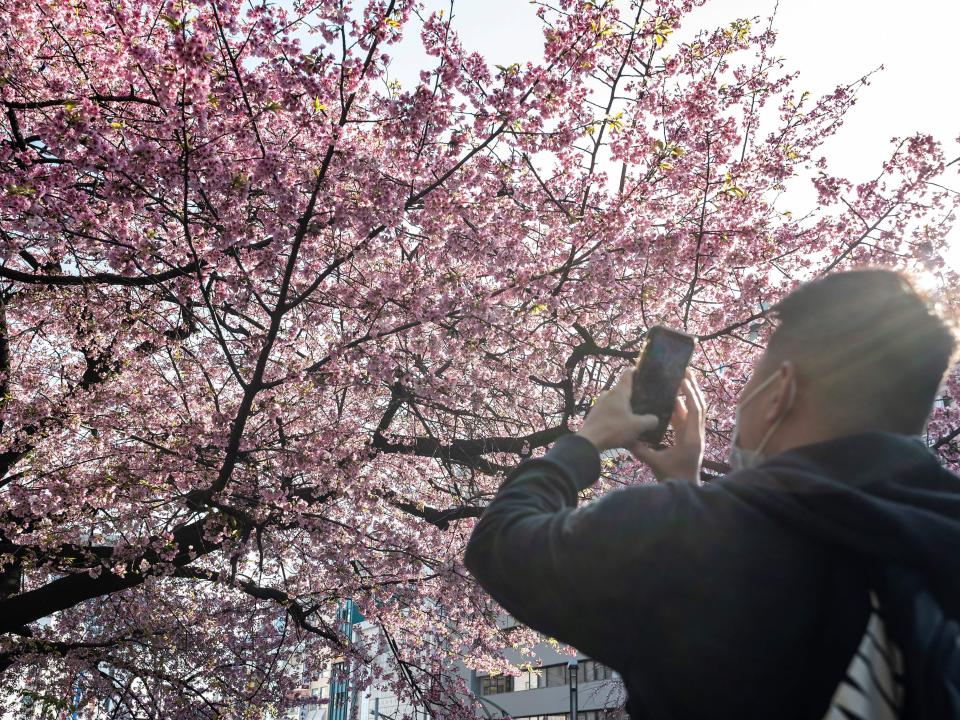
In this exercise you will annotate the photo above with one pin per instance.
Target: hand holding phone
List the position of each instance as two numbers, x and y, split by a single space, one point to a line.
657 378
682 460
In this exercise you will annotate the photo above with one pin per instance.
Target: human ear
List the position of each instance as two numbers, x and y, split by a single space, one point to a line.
782 398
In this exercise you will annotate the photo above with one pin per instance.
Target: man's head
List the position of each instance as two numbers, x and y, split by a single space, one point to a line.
852 352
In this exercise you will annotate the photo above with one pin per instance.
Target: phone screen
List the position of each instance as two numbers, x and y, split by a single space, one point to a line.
658 377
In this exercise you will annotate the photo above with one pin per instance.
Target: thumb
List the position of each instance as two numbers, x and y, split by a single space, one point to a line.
644 452
643 423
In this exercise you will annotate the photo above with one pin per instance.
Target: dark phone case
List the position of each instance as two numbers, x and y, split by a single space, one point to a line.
655 384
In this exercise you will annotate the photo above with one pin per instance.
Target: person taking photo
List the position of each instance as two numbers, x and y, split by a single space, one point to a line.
818 579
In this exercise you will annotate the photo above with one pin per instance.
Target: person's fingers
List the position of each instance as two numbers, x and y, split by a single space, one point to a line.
643 423
679 417
698 393
694 408
625 383
689 393
644 452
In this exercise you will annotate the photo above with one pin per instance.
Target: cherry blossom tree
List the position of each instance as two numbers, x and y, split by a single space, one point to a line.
272 325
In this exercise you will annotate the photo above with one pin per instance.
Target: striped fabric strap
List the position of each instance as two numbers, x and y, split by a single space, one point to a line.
873 686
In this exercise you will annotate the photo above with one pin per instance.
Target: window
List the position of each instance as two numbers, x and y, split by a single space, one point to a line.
307 674
590 715
509 622
605 714
529 680
493 684
556 675
591 671
549 676
339 689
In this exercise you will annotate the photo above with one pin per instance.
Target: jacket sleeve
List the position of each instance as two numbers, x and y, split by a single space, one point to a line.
571 573
688 591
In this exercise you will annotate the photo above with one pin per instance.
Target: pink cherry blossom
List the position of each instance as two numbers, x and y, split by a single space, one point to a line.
272 327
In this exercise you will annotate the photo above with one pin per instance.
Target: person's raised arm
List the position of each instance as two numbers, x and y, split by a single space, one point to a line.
567 572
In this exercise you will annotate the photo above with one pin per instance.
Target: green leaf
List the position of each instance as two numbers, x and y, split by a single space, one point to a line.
661 29
171 21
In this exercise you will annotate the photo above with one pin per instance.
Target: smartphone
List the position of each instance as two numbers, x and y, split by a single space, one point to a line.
656 381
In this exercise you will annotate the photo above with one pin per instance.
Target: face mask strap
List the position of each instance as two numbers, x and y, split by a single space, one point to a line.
740 457
776 423
758 390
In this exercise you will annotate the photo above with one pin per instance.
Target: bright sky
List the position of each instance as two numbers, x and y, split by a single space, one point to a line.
828 41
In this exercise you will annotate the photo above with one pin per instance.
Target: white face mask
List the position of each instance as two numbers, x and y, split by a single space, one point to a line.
739 457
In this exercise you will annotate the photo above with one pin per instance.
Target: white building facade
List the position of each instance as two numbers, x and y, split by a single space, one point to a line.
545 688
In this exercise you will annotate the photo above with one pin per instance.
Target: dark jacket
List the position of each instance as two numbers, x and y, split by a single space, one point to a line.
743 598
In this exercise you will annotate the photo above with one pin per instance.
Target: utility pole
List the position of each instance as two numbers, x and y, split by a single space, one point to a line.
572 667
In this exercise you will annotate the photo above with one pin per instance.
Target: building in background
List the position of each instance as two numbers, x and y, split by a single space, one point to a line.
314 691
542 690
550 689
330 693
